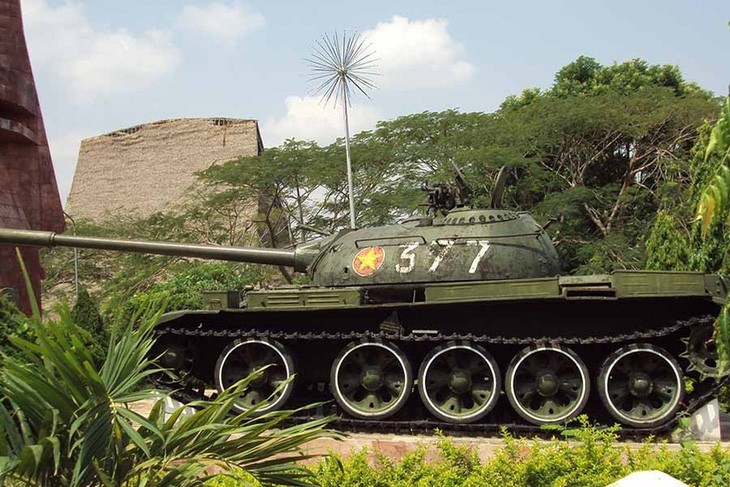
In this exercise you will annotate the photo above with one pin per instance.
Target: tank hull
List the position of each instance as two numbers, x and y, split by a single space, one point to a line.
589 317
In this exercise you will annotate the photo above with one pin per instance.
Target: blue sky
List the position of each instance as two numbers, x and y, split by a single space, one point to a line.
104 65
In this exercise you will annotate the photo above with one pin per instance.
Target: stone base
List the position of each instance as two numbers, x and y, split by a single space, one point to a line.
172 405
648 478
704 425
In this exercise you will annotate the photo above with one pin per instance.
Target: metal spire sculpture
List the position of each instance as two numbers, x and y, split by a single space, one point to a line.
338 65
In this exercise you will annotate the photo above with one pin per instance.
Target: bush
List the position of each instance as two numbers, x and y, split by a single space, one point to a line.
183 289
590 457
85 314
13 323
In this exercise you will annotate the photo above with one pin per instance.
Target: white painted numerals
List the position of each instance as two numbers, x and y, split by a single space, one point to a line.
445 247
407 261
483 248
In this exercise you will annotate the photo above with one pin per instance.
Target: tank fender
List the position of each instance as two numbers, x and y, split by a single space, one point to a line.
717 287
176 315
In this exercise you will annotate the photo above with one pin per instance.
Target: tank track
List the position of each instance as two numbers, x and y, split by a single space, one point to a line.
703 390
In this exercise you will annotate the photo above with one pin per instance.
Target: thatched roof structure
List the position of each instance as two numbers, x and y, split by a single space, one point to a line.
149 167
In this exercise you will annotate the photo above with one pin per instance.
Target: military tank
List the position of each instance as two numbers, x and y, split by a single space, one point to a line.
458 318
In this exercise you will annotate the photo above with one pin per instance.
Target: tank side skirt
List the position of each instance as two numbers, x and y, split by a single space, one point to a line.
530 318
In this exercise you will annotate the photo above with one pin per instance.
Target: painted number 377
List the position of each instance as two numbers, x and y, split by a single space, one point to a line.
407 261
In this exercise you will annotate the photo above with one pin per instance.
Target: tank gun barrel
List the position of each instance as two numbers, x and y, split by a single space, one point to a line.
253 255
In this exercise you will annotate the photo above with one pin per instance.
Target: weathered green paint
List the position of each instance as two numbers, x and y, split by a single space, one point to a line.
618 285
468 245
303 298
297 259
494 290
214 300
659 283
471 255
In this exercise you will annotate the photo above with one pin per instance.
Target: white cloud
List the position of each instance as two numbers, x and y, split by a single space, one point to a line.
226 24
417 54
65 154
307 118
92 63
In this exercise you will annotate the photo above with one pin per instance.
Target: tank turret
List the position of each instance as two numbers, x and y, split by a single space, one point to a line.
452 242
466 245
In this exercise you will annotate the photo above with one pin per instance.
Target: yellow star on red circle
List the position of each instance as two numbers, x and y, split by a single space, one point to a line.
368 260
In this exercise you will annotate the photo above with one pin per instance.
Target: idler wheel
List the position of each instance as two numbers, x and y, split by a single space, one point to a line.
244 357
371 379
547 384
177 354
641 385
459 382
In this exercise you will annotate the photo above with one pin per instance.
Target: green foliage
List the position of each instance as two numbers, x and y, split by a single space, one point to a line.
587 77
591 457
675 241
183 289
715 199
455 465
65 422
703 245
13 323
85 314
666 246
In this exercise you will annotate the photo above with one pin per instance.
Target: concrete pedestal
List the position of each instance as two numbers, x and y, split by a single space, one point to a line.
648 478
172 405
704 425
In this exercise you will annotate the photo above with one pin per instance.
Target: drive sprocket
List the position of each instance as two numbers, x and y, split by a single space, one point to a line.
702 352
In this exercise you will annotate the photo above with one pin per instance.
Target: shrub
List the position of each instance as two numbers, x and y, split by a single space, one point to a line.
588 456
85 314
13 323
183 289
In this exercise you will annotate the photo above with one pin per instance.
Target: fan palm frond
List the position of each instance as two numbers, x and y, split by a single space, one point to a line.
63 422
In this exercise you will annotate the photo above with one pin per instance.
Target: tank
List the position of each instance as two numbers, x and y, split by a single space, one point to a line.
457 319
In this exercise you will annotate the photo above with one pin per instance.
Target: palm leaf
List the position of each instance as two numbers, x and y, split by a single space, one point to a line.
62 421
715 198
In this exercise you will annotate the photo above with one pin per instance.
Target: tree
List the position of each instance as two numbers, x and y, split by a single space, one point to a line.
683 236
703 244
601 150
85 315
587 77
712 212
619 138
